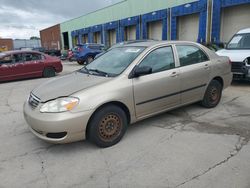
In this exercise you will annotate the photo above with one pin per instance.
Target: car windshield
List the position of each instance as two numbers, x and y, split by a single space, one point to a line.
240 41
113 62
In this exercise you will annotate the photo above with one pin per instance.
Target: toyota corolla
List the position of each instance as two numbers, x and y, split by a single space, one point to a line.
125 85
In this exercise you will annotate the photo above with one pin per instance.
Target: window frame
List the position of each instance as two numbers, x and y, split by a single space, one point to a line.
195 46
18 61
154 49
33 54
7 63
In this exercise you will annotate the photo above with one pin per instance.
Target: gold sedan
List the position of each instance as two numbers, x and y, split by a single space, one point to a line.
126 84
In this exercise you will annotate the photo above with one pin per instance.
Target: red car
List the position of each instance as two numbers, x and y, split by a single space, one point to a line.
27 64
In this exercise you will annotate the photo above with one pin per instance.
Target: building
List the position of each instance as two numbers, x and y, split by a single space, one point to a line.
202 21
6 44
51 38
26 43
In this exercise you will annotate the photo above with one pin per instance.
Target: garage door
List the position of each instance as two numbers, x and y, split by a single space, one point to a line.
234 19
112 37
188 27
97 37
75 40
85 38
155 30
130 33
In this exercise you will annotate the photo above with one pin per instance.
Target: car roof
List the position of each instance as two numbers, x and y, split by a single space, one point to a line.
92 44
152 43
20 51
247 30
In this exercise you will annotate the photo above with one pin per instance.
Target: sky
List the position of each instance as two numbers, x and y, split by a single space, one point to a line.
21 19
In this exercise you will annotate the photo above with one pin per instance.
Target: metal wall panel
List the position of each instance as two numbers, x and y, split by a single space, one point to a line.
119 11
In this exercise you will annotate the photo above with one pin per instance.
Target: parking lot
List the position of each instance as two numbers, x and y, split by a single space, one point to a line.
188 147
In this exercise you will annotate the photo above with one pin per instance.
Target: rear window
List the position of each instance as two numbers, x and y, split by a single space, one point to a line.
95 47
6 59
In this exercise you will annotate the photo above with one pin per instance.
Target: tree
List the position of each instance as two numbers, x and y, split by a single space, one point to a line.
34 38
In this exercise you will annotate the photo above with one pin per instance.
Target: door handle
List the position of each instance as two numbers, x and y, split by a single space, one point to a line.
206 66
174 74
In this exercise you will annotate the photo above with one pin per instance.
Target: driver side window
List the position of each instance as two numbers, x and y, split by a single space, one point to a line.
159 60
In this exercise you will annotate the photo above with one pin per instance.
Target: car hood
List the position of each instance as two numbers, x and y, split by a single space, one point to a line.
235 55
67 85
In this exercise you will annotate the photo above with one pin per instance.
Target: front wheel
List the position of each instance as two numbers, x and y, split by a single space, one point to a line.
108 126
49 72
213 94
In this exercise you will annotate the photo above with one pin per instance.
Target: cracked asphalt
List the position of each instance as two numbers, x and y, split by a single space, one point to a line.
189 147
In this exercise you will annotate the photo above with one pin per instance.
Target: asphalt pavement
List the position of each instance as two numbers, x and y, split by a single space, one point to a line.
190 147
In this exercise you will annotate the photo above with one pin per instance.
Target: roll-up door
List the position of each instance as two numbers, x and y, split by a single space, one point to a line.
97 38
130 33
155 30
233 19
188 27
112 37
85 38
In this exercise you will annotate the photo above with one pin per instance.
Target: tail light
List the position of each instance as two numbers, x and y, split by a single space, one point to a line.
80 49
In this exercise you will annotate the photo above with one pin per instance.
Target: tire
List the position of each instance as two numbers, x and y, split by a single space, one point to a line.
108 126
89 59
49 72
213 94
80 62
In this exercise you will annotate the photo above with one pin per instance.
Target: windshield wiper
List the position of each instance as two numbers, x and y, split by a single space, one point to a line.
84 70
99 72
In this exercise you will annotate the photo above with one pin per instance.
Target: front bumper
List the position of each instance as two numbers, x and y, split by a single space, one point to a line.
64 127
240 71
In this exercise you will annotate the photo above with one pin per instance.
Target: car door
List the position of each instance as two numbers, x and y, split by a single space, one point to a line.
33 64
194 72
6 71
159 90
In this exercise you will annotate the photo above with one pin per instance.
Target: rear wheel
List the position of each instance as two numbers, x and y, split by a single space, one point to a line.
80 62
213 94
49 72
89 59
107 126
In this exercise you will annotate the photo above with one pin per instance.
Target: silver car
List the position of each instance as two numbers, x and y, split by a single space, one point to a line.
125 85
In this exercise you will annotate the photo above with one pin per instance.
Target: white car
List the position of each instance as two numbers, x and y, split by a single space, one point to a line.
238 50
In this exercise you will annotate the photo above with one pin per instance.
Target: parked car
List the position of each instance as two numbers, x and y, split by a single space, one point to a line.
64 54
39 49
125 85
53 52
238 50
85 53
27 64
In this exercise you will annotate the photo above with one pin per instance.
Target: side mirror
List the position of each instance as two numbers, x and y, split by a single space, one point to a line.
141 71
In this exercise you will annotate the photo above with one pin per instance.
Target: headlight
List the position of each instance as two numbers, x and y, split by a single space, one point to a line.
60 105
246 61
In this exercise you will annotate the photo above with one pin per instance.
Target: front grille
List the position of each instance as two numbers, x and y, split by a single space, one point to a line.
34 101
238 67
